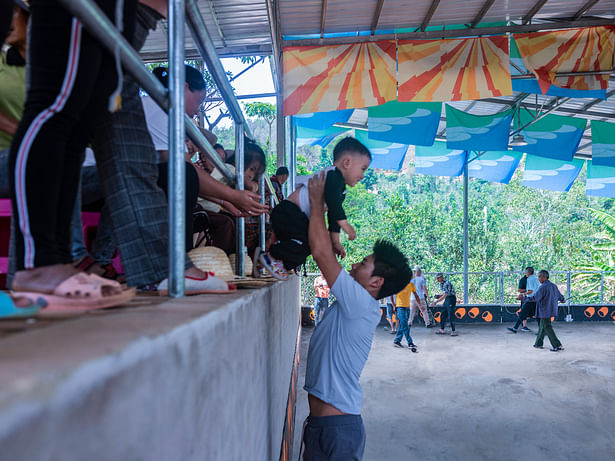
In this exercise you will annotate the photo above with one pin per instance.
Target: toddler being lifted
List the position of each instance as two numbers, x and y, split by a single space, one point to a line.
290 219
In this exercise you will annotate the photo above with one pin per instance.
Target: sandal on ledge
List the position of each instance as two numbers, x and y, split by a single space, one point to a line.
10 310
198 286
80 292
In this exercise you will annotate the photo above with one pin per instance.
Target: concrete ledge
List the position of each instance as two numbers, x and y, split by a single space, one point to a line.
202 378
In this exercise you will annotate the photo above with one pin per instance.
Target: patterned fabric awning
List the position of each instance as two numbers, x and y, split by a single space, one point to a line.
439 161
573 50
550 174
603 143
600 180
405 122
326 78
553 136
495 166
322 138
386 155
322 120
477 132
453 70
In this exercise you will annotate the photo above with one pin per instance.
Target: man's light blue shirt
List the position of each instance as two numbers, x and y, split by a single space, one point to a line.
340 345
532 284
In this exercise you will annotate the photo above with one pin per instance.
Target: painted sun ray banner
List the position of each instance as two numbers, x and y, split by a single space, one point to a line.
603 143
574 50
337 77
453 70
600 180
477 132
405 122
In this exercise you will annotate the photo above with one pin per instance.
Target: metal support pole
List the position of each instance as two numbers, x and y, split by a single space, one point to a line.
568 289
287 155
501 289
496 285
465 232
105 32
177 137
239 167
601 287
261 218
293 156
280 132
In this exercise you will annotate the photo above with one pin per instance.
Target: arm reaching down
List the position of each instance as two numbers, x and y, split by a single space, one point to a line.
347 228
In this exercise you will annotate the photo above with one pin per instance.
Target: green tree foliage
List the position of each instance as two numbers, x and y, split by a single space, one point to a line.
265 111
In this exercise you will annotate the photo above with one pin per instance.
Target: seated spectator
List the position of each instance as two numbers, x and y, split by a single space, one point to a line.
278 180
12 85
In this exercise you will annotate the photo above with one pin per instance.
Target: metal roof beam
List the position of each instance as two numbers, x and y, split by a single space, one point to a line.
585 8
276 69
481 14
565 110
535 9
214 17
597 101
435 34
429 15
323 18
376 16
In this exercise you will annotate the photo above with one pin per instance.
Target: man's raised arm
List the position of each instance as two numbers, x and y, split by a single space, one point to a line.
320 243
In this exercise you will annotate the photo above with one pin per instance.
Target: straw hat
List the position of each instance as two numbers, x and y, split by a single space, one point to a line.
212 259
247 263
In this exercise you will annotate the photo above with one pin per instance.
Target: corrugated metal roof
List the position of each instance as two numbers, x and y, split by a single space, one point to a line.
237 28
299 18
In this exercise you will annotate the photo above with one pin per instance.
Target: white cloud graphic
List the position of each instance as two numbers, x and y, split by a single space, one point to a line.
566 129
537 175
479 163
379 127
428 162
539 135
304 115
603 150
598 183
420 112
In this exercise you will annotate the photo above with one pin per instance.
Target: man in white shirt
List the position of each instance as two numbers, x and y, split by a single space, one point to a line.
529 303
339 347
421 290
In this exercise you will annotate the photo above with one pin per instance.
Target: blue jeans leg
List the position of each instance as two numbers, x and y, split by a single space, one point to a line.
403 314
320 306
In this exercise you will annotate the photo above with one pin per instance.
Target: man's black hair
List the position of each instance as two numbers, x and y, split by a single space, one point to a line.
544 273
393 266
281 171
194 78
351 146
219 146
529 269
251 152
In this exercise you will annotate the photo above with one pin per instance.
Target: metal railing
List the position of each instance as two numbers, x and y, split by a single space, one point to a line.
180 12
500 288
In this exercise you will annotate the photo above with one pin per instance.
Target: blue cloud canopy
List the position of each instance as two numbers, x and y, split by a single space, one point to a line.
477 132
550 174
603 143
386 155
405 122
322 120
314 137
553 136
600 180
437 160
495 166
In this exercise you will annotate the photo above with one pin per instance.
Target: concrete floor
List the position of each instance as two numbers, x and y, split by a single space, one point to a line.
487 395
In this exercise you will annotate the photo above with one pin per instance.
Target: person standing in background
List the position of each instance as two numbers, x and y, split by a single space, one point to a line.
322 298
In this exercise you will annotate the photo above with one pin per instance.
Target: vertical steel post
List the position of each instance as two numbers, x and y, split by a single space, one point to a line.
287 154
261 218
239 167
601 287
502 289
293 156
177 172
280 129
465 231
568 289
496 285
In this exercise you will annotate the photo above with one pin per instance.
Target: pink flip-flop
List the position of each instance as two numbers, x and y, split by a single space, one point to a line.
80 292
210 284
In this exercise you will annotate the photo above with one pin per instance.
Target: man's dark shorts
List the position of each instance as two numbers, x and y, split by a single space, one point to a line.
334 438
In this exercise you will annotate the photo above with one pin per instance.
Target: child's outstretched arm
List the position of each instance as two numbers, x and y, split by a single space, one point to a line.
321 251
347 228
337 246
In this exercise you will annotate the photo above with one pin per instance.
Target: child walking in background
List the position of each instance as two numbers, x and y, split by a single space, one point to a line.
290 219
